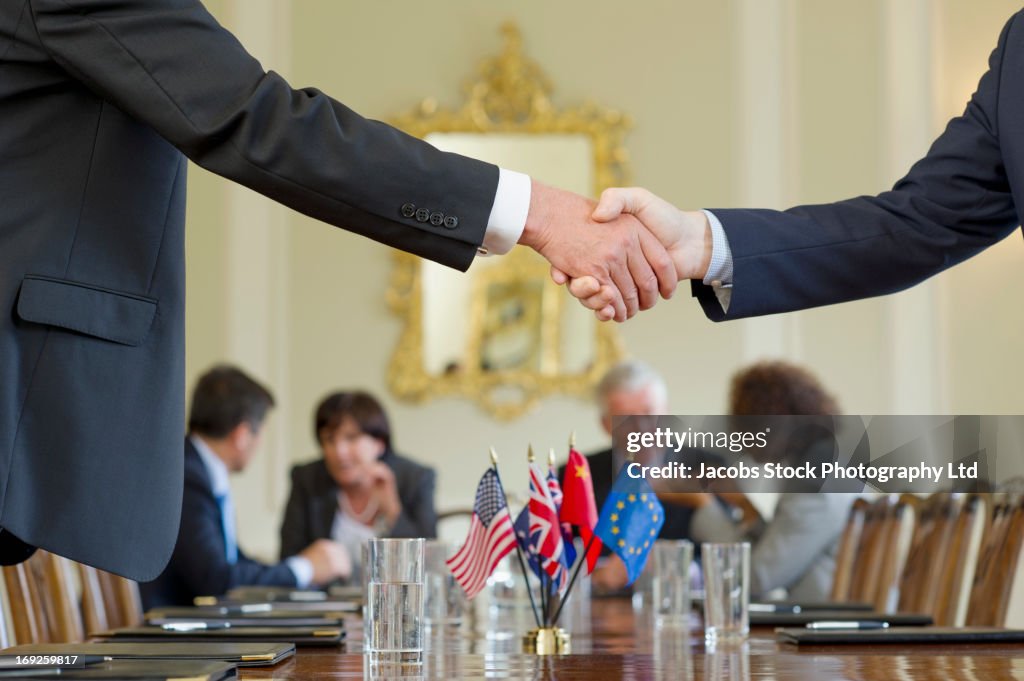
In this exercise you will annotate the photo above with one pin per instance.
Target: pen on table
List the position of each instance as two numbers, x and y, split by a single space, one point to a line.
774 607
195 626
857 625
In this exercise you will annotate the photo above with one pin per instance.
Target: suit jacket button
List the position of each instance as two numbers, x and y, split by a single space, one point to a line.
451 222
422 215
408 210
437 219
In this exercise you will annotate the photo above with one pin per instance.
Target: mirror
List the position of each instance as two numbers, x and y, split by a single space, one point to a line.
523 338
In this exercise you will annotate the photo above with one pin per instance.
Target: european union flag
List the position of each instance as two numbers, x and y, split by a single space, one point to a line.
630 521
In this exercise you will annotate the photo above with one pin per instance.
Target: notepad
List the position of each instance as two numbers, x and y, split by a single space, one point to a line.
303 636
135 670
789 619
901 635
248 654
270 618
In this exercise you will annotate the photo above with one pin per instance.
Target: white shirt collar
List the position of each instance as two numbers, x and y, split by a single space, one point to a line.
217 469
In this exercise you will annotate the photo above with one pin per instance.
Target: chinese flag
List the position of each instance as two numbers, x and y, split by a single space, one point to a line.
578 506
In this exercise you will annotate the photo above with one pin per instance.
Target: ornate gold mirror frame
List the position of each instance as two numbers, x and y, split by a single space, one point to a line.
511 95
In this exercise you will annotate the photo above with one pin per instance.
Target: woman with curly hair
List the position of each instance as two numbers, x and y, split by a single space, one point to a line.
796 549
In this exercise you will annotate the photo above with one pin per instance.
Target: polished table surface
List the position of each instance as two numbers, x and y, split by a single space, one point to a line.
616 642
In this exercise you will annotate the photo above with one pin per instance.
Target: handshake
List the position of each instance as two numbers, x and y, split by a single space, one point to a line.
619 255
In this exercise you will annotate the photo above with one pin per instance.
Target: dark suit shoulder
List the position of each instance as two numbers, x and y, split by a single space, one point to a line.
312 476
403 466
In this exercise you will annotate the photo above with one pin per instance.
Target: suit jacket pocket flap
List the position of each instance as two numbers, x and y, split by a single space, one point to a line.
119 317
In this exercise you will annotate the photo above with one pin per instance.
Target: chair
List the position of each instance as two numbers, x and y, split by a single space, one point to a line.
995 576
881 552
927 568
59 593
94 606
27 622
961 559
122 599
847 553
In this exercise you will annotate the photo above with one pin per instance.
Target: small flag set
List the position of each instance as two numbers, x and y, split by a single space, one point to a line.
542 533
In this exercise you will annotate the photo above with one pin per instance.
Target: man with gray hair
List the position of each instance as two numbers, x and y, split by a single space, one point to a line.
634 388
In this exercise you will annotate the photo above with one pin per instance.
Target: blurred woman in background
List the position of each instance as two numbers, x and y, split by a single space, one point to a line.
359 488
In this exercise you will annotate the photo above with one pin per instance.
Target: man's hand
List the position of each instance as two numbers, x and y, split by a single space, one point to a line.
385 489
627 264
685 235
330 561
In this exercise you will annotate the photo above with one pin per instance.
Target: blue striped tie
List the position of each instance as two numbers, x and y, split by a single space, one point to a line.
227 522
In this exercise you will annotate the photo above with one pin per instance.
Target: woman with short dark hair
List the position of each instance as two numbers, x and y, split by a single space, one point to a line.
359 488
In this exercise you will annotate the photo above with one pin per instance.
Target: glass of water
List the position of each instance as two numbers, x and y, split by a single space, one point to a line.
726 591
393 625
671 591
444 598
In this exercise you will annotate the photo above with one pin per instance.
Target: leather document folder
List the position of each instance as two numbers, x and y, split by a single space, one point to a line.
303 636
248 654
901 635
792 619
271 618
133 670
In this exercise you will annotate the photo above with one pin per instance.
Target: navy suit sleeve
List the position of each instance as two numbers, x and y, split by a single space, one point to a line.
199 560
296 534
169 64
953 203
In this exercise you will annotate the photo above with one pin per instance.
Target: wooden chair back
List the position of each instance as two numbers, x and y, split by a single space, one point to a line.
28 623
876 567
122 599
94 607
998 563
58 591
928 565
960 561
847 553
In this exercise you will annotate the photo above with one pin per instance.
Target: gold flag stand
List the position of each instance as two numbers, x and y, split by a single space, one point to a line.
547 641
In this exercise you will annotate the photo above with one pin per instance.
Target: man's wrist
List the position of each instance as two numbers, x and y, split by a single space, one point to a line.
535 230
507 220
694 257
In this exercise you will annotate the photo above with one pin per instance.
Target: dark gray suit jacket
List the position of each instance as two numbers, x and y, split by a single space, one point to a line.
100 103
309 514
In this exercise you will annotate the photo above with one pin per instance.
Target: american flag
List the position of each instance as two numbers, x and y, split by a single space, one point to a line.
491 537
545 530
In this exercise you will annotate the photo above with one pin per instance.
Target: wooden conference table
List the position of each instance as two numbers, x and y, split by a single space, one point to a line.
619 643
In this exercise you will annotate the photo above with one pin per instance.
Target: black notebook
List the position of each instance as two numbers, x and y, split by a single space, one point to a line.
803 606
249 654
902 635
791 619
305 636
132 670
246 606
218 615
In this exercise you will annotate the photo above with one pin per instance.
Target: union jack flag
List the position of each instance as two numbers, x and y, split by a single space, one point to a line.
545 530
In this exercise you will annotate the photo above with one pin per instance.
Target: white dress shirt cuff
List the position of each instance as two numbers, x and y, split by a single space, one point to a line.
719 275
302 569
508 214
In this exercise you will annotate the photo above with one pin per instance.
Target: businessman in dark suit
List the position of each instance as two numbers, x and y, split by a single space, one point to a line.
360 487
961 198
225 427
100 103
634 388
